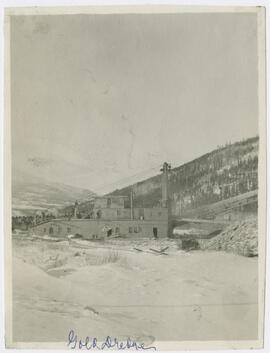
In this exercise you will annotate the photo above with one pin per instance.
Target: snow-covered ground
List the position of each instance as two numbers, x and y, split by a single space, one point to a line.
123 293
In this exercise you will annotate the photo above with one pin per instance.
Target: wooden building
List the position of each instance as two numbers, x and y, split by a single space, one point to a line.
114 215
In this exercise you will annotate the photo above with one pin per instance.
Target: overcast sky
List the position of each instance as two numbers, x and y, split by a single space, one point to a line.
97 98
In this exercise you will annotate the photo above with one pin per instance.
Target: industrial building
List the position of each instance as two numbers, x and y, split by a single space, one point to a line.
115 216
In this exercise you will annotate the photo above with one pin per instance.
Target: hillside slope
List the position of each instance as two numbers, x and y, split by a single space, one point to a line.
30 193
223 173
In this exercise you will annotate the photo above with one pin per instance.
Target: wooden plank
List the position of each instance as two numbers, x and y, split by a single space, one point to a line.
158 251
164 249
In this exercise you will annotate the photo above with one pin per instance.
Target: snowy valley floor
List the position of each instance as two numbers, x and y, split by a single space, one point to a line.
120 292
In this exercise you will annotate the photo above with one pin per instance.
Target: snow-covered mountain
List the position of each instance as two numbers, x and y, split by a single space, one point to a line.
31 193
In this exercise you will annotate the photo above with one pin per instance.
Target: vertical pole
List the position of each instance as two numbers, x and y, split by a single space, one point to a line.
131 205
165 193
75 209
164 184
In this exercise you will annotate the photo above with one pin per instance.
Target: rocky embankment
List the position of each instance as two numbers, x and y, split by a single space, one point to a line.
239 238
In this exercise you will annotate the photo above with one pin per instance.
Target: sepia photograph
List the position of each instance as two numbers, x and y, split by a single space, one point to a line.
135 177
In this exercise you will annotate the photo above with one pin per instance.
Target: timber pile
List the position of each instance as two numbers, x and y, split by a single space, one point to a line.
154 251
239 238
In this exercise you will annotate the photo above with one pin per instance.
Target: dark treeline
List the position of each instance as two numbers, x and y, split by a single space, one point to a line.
228 171
25 222
225 173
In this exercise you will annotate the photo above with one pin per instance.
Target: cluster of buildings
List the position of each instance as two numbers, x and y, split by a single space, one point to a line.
115 216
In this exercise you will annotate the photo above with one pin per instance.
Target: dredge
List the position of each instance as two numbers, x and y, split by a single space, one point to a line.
115 216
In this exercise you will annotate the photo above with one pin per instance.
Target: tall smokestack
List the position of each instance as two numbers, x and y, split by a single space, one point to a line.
164 184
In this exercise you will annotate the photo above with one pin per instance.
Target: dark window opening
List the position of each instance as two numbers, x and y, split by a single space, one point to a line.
117 230
51 230
109 202
155 232
130 230
68 229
